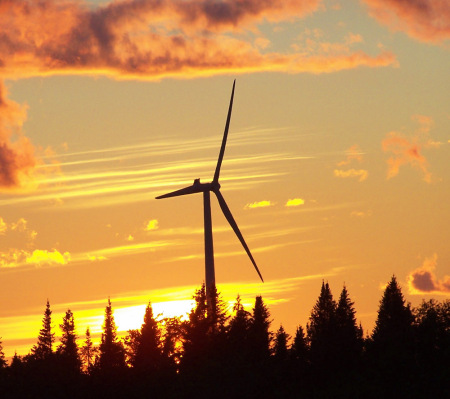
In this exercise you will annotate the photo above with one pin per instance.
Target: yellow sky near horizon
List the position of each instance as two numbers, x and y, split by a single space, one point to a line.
336 165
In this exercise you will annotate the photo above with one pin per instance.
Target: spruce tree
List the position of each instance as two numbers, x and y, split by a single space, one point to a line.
259 335
148 351
391 346
68 350
281 344
43 349
299 347
3 362
195 331
238 331
88 352
321 331
111 350
348 334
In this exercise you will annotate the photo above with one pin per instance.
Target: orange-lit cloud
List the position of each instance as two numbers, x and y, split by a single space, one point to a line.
152 225
295 202
153 39
425 20
423 280
3 226
409 150
354 153
17 154
259 204
361 174
39 257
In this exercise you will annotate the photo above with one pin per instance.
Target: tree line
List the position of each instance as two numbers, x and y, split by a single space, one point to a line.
216 353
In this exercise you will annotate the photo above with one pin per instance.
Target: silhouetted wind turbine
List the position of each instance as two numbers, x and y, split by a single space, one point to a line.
206 188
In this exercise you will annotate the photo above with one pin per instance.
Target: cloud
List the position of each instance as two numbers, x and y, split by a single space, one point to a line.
361 174
354 153
17 155
154 39
39 257
3 226
423 280
260 204
295 202
424 20
152 225
361 214
408 150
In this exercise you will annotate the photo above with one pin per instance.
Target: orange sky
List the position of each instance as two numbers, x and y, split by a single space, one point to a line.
336 165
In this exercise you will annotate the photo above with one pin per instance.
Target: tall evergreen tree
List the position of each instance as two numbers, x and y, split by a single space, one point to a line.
3 362
43 349
148 352
281 344
348 334
238 329
299 347
217 312
391 346
321 330
68 350
88 352
394 319
111 350
259 335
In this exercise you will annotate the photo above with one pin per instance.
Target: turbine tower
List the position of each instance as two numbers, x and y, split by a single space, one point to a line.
206 188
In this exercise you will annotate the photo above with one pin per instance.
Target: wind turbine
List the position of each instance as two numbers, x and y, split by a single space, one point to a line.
206 189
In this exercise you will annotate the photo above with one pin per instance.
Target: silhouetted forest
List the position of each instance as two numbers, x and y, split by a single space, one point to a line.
215 354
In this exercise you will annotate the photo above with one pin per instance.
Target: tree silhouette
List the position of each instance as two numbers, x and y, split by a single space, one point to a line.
148 351
68 350
432 324
238 333
259 335
111 350
349 338
281 344
3 362
43 349
321 330
88 352
299 348
391 348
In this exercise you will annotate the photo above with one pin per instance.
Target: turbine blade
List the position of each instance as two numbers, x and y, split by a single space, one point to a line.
225 135
226 211
183 191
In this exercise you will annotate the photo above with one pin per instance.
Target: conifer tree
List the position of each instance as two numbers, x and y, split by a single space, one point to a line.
88 352
391 344
68 350
217 312
195 330
148 351
321 330
281 344
259 334
43 349
3 362
348 334
394 319
299 348
111 350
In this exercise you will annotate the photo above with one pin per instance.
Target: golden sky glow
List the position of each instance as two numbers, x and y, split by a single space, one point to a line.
336 165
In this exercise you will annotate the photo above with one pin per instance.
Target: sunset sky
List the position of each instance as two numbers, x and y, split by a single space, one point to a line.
337 164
